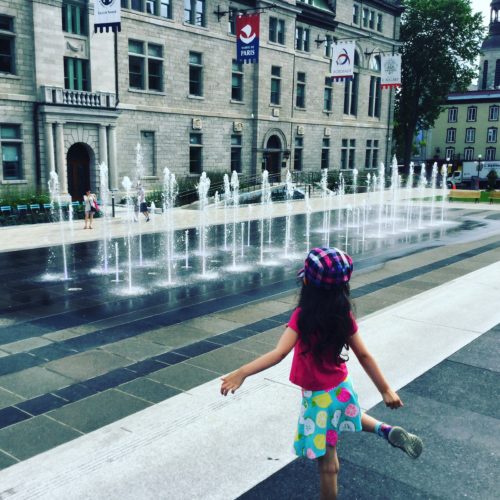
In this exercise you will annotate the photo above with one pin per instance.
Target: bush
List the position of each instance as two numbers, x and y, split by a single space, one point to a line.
23 197
492 180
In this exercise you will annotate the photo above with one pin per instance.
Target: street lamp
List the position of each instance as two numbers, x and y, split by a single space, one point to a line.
479 168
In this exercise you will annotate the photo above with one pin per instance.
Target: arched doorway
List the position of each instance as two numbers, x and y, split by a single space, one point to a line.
78 161
273 157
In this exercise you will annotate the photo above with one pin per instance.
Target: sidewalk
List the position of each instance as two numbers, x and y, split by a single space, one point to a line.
200 445
23 237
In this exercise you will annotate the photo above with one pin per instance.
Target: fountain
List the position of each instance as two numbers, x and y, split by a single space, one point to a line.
235 196
104 195
127 185
433 192
169 195
55 198
203 188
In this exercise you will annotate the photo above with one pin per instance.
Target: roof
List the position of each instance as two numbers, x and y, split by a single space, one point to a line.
474 96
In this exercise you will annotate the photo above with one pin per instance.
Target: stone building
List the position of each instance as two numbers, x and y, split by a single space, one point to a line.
467 128
181 94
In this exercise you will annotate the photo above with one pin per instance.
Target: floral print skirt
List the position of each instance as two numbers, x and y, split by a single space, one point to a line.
323 416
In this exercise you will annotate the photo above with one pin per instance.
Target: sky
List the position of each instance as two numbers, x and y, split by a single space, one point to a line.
484 7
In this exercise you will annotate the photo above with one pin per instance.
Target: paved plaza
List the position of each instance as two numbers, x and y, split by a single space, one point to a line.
109 396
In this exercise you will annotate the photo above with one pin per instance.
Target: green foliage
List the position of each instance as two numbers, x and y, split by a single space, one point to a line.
16 197
492 180
441 39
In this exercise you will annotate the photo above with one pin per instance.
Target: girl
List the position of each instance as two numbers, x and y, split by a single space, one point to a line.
89 203
319 329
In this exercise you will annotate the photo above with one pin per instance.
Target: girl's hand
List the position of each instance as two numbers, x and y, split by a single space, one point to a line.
391 399
232 382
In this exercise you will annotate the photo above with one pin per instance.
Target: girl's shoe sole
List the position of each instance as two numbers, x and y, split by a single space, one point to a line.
412 445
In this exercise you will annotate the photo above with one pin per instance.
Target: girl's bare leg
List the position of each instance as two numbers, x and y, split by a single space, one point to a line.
368 423
328 466
91 218
86 220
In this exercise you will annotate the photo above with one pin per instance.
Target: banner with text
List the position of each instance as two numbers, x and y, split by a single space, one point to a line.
247 33
391 71
107 15
342 60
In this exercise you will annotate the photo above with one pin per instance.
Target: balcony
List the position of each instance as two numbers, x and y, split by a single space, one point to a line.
79 98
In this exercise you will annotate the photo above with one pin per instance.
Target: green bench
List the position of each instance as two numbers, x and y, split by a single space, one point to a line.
494 195
464 194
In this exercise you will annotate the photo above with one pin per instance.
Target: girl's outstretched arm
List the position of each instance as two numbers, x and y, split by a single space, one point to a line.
285 344
367 361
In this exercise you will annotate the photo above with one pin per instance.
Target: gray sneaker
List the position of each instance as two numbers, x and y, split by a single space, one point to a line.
409 443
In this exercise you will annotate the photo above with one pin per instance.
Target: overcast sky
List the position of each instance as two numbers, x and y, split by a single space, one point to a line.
484 7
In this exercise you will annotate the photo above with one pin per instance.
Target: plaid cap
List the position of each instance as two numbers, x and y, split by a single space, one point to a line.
327 267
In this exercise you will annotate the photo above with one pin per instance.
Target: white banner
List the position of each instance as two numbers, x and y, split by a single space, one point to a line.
391 71
107 14
342 60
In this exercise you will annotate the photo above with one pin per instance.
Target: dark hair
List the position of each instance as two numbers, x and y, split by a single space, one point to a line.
325 321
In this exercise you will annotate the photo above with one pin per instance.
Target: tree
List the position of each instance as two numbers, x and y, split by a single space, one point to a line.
441 40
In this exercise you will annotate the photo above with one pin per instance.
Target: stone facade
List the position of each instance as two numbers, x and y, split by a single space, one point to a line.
109 118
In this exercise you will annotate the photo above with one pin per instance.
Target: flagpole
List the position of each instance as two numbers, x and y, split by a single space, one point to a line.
117 94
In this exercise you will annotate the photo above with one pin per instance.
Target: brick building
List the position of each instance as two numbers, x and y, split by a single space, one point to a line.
181 94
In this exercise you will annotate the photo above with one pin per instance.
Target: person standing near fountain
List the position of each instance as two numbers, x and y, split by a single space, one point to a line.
90 207
319 329
141 201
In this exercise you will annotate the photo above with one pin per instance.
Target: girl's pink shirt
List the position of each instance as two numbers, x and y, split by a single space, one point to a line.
309 373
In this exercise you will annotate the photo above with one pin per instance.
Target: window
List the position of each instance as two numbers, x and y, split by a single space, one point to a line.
328 46
148 152
366 15
490 154
231 23
155 67
351 95
297 153
471 113
372 19
300 98
195 154
374 97
74 19
470 134
137 5
491 135
237 81
325 153
275 85
7 45
371 156
450 153
195 74
468 154
141 75
484 80
355 14
493 113
327 97
452 115
277 30
302 36
194 12
236 153
76 74
347 153
166 9
451 135
10 147
497 74
151 7
379 23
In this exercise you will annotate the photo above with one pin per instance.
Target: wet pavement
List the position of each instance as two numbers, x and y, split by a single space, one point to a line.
81 354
